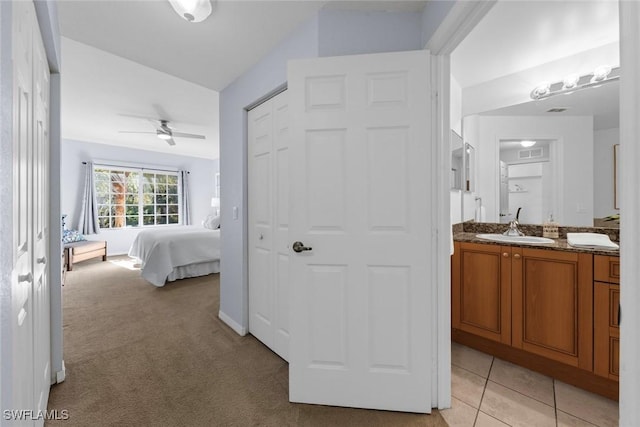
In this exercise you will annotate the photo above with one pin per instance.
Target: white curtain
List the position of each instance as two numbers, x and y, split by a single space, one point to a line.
88 220
184 187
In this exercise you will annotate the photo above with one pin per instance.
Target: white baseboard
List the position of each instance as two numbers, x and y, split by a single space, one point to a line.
240 330
61 375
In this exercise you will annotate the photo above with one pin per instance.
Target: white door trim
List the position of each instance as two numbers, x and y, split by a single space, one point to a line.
462 18
630 205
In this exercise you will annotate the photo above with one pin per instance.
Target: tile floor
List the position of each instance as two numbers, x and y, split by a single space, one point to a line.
489 392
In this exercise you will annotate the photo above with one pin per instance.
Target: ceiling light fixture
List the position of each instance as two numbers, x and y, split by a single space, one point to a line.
192 10
573 82
527 143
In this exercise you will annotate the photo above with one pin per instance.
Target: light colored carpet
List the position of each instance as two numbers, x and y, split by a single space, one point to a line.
137 355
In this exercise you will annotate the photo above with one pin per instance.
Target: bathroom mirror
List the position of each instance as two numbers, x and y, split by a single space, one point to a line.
572 154
569 65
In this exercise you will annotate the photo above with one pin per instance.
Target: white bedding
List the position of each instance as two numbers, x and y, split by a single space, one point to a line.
163 250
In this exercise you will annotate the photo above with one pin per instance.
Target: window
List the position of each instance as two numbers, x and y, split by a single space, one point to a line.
130 197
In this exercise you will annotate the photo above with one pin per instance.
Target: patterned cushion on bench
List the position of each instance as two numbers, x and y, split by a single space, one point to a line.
85 246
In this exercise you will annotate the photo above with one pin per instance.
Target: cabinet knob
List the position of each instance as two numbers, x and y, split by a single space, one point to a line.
516 255
505 254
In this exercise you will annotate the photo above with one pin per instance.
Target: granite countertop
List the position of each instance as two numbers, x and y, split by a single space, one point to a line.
558 245
466 232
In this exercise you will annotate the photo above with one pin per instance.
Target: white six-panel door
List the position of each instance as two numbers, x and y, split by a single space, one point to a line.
360 202
30 319
41 291
268 191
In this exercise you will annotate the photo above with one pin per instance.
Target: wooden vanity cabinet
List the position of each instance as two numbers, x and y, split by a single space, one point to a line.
536 300
552 295
481 291
606 327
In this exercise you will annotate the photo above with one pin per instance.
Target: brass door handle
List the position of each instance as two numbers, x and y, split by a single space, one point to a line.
516 255
505 254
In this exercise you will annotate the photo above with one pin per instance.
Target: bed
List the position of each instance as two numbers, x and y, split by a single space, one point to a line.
172 253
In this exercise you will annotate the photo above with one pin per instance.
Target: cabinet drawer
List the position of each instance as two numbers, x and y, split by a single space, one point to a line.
606 268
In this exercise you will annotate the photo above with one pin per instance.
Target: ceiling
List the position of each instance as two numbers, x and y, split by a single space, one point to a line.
140 58
211 53
100 91
519 35
519 42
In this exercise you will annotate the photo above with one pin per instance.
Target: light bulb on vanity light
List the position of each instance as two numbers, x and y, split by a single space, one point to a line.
541 90
601 73
527 143
570 81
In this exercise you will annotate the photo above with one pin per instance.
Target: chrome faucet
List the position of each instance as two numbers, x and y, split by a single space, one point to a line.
513 229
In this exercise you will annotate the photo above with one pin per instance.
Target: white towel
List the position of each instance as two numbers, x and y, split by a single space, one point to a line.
591 240
481 214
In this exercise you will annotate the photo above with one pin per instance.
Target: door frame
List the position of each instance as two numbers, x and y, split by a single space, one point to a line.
463 17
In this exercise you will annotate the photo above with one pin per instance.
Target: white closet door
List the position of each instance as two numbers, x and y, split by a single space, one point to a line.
41 292
268 187
22 384
29 345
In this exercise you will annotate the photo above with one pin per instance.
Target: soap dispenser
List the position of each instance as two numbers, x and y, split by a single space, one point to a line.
550 228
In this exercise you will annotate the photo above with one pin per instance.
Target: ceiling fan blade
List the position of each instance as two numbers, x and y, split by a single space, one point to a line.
187 135
134 131
170 141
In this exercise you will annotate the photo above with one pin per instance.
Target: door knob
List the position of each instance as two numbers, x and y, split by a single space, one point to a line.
42 260
28 278
300 247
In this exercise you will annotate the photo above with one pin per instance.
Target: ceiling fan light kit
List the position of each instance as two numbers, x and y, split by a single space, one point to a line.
166 133
192 10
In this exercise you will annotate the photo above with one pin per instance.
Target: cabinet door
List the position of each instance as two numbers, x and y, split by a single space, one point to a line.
552 305
606 330
481 290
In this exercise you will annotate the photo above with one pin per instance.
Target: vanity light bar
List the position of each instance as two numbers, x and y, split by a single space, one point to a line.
572 82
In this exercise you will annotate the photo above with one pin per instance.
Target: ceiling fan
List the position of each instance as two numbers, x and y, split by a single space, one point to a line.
165 132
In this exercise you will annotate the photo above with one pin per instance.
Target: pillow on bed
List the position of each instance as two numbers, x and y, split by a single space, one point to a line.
212 222
70 236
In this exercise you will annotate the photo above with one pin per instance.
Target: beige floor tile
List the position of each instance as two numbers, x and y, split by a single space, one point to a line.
470 359
587 406
566 420
516 409
459 415
525 381
484 420
467 386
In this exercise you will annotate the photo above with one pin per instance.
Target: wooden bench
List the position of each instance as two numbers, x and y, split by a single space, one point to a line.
84 250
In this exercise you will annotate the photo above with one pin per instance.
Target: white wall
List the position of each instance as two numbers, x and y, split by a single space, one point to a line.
264 77
201 183
575 136
347 32
603 141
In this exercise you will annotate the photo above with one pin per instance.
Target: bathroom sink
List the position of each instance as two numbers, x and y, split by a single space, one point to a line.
523 240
